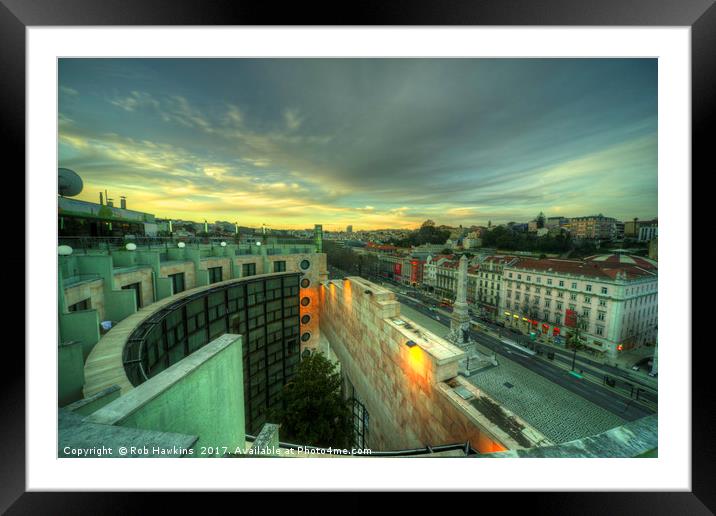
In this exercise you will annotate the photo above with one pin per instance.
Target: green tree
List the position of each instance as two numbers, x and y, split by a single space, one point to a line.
314 411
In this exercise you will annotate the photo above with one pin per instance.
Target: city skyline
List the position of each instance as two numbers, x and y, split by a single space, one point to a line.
372 143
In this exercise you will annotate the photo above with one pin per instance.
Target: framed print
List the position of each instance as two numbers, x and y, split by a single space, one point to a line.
420 237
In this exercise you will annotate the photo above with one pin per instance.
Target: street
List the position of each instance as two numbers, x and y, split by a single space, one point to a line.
619 399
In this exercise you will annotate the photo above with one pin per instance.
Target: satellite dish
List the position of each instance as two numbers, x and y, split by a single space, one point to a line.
69 183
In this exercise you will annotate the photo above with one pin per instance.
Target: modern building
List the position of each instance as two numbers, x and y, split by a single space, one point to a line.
614 299
87 219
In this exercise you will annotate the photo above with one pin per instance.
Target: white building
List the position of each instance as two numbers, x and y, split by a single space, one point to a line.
647 233
430 270
615 297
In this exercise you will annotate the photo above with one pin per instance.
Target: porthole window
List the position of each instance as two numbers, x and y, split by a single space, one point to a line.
305 301
305 337
305 264
305 319
306 353
305 283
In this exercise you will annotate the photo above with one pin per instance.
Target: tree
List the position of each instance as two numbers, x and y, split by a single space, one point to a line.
313 411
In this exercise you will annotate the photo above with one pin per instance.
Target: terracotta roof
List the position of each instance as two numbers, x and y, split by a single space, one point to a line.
618 259
499 259
595 269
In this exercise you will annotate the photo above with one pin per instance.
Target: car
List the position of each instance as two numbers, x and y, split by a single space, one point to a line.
652 374
635 367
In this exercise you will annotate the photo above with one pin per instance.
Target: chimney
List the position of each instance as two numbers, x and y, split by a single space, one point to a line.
110 202
123 202
101 199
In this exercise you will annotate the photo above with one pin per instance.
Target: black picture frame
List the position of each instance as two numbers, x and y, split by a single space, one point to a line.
17 15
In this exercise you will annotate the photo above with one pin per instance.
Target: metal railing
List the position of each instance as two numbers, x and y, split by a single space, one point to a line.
89 245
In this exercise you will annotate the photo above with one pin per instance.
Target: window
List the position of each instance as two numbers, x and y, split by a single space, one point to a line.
177 282
81 305
600 330
305 264
573 297
137 287
549 281
215 274
602 302
574 285
589 288
539 280
279 266
604 290
561 283
248 269
305 301
305 337
601 315
305 283
305 319
587 299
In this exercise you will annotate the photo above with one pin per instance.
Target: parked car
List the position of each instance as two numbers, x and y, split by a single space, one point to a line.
652 374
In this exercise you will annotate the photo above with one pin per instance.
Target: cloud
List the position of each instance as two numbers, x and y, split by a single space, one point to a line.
371 141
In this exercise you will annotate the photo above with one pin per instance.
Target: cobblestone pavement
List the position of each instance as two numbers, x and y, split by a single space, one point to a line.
559 414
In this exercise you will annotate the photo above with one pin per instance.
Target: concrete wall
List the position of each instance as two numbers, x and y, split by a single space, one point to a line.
86 406
403 388
142 276
82 327
92 290
185 266
223 262
201 394
70 370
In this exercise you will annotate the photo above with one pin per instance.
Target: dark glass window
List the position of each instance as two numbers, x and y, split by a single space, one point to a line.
263 311
305 301
248 269
81 305
305 319
305 283
137 287
215 274
305 264
279 266
177 282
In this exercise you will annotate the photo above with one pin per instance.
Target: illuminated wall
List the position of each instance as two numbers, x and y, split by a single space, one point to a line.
403 387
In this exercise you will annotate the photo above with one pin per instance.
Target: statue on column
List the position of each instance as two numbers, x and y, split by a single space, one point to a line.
459 333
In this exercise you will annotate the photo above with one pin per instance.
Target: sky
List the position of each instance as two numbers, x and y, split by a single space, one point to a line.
374 143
